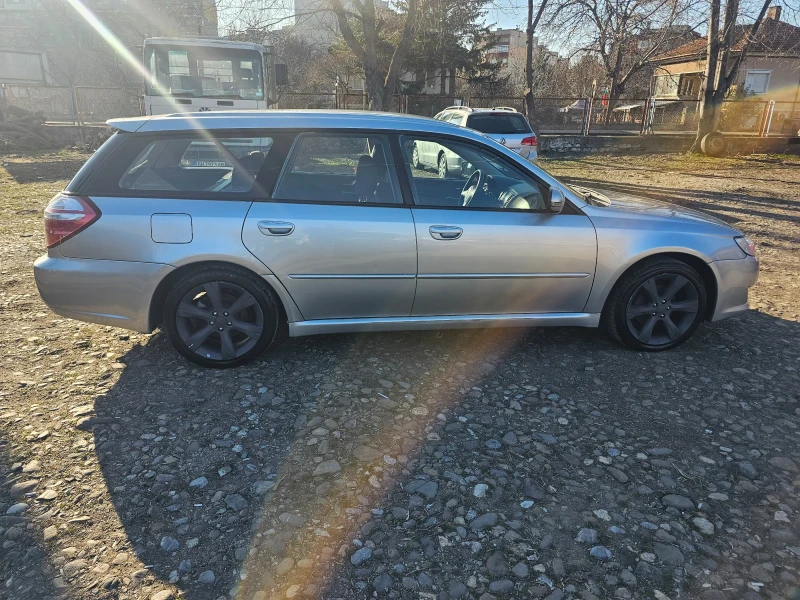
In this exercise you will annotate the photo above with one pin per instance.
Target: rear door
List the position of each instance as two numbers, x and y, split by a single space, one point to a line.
335 230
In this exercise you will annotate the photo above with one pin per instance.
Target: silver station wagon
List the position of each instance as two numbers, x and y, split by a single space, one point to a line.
229 229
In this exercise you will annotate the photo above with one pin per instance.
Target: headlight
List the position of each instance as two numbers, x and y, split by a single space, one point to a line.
746 244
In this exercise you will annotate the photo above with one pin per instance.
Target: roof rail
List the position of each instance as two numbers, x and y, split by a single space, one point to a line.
458 107
508 108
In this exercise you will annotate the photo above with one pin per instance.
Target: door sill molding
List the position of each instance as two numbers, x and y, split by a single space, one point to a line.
301 328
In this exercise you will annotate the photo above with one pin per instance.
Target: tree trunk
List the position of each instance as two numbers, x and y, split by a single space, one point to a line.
728 77
376 92
443 59
615 89
708 108
530 104
614 92
727 38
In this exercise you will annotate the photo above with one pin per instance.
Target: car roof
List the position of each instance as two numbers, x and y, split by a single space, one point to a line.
288 119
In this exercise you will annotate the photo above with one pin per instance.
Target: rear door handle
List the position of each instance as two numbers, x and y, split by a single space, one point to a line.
275 227
445 232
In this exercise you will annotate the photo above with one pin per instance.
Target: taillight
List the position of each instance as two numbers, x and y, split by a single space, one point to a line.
529 141
65 216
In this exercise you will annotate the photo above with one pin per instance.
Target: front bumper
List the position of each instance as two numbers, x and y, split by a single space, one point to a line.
109 292
734 278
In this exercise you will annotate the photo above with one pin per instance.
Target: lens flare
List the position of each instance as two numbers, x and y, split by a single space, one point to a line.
311 517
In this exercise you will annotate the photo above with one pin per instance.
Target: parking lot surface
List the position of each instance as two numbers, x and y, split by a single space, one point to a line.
479 464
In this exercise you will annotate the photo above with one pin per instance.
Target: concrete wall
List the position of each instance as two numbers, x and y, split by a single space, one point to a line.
656 144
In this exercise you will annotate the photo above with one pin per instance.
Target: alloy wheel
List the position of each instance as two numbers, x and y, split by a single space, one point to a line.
219 320
662 309
442 164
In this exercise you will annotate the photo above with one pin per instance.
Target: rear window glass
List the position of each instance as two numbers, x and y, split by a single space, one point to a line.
340 168
223 165
499 123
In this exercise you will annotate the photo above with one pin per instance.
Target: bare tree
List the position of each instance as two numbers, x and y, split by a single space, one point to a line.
718 76
624 34
359 29
531 24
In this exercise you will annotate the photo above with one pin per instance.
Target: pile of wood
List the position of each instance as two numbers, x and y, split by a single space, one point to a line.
22 129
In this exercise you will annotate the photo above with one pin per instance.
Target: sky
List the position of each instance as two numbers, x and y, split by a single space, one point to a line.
508 14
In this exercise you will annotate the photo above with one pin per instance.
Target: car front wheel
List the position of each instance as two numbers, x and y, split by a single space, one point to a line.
656 305
221 318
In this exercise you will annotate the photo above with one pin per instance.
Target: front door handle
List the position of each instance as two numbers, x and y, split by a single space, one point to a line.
445 232
275 227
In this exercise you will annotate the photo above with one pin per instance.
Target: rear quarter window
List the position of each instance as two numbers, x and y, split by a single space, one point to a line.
92 167
218 165
499 123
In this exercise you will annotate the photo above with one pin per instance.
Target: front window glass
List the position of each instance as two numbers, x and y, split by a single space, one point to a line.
452 174
200 72
340 168
224 165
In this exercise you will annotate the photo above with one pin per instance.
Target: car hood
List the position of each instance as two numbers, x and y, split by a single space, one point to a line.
620 201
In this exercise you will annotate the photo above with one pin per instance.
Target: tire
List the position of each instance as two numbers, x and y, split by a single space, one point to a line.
441 165
631 317
193 321
415 157
713 144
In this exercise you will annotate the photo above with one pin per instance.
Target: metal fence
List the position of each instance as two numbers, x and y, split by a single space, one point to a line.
554 115
74 105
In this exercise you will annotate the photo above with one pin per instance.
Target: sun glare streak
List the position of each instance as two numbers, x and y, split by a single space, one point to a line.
114 42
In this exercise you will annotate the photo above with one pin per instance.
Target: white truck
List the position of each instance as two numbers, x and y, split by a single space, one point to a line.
208 74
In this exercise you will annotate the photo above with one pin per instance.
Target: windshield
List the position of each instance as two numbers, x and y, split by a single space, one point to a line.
204 72
499 123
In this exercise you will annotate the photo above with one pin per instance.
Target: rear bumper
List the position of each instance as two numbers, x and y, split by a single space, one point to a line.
108 292
734 278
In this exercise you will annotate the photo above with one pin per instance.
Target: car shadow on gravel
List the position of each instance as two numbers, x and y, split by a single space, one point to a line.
23 547
460 463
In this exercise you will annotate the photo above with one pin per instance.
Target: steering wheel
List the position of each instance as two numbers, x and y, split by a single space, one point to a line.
471 187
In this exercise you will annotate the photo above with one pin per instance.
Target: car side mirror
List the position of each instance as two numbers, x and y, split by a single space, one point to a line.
556 201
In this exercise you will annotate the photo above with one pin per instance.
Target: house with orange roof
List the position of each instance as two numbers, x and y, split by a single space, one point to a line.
770 70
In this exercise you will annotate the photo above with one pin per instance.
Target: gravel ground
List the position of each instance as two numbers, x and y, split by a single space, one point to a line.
482 464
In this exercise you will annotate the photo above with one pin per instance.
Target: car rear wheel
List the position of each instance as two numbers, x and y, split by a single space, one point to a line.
442 166
221 318
657 305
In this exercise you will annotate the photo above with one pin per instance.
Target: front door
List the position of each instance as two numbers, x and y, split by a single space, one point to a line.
486 245
336 232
